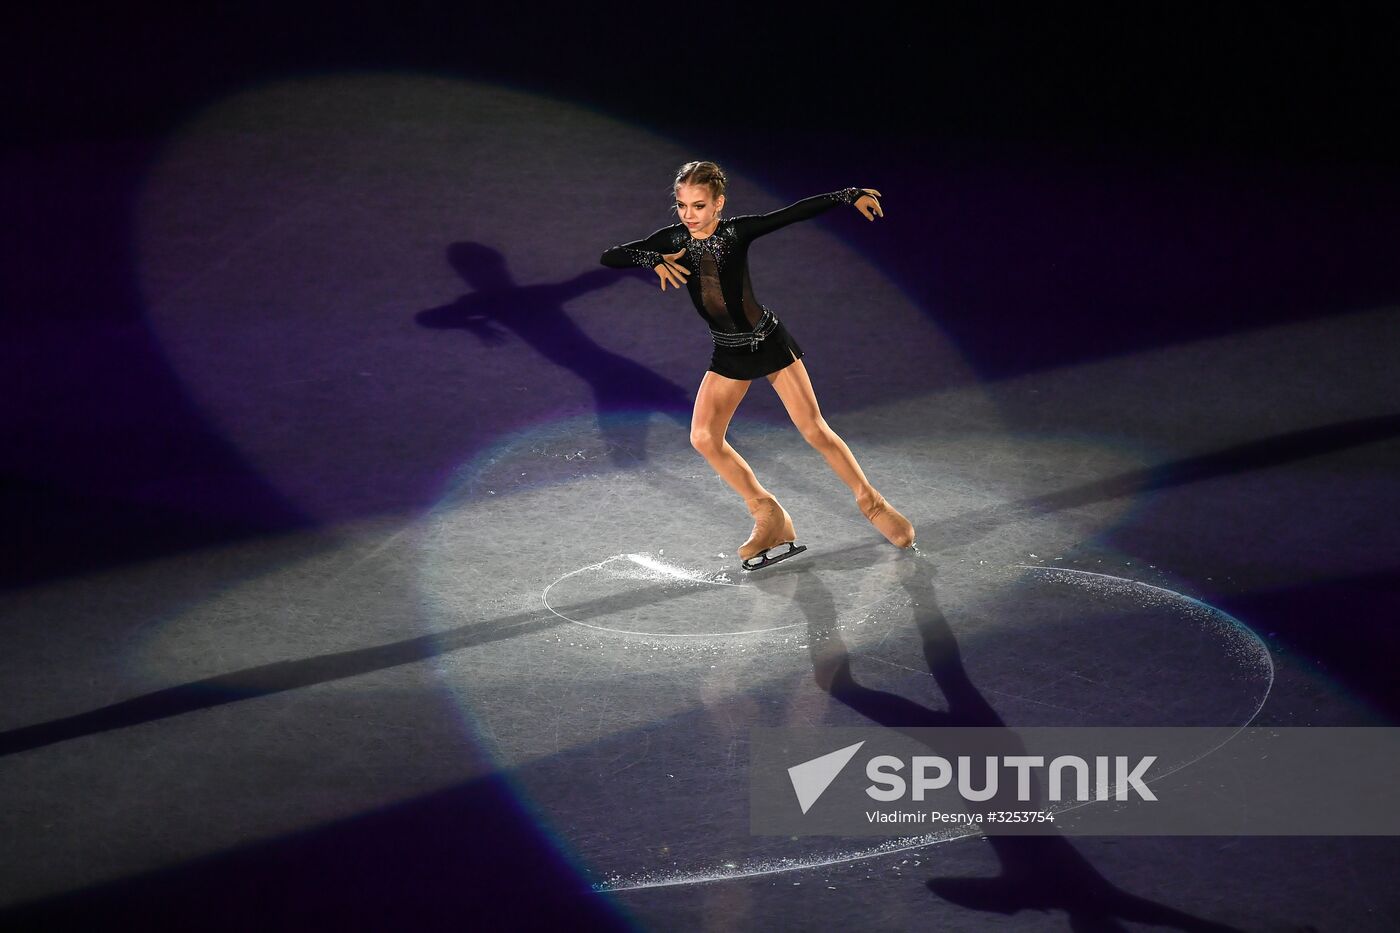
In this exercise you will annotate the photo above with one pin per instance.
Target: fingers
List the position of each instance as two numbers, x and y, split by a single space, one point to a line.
668 274
671 271
872 209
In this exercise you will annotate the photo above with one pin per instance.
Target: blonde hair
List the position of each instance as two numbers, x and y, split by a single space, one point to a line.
700 173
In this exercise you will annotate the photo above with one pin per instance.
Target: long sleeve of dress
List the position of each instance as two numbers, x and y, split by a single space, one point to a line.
644 253
755 225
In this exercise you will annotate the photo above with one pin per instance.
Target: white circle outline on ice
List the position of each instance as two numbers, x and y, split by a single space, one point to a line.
702 877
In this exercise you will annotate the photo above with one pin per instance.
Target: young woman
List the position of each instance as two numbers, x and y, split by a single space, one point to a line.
709 255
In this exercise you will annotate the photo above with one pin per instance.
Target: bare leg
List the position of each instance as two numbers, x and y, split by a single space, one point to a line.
795 389
715 404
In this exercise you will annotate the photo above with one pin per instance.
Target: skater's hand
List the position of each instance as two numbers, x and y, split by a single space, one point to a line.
868 205
672 271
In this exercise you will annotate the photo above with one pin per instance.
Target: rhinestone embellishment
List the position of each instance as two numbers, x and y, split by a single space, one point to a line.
716 245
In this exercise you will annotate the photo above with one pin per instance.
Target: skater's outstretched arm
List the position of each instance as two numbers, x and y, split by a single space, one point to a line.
650 253
756 225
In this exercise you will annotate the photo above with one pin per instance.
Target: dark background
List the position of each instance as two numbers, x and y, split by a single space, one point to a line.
1309 83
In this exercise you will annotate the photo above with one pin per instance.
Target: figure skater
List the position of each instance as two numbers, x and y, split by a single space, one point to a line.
750 342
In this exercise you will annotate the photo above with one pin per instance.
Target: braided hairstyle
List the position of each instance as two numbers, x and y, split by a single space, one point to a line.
700 173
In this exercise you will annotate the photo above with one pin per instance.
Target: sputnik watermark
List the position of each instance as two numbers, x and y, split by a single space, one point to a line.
931 773
1080 781
934 817
888 785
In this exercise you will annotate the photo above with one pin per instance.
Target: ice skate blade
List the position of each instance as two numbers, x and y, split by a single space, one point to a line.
763 560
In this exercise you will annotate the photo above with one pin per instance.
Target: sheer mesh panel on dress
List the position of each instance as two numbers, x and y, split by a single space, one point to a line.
712 295
752 309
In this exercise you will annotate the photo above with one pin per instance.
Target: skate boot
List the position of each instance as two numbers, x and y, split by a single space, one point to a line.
886 519
772 527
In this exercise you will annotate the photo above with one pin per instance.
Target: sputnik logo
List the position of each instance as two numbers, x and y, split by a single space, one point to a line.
810 779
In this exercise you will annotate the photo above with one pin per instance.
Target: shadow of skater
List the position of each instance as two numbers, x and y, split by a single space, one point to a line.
1040 872
534 313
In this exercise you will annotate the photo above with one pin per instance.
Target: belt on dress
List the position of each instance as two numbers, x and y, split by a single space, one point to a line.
749 338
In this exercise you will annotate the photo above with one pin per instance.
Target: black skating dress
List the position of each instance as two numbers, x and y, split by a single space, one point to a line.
750 342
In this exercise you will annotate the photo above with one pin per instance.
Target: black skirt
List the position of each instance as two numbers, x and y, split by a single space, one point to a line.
776 351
